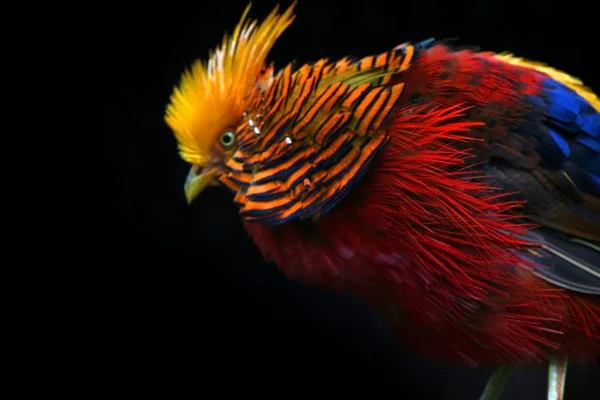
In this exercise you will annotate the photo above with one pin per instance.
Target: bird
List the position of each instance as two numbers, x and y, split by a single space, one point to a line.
457 191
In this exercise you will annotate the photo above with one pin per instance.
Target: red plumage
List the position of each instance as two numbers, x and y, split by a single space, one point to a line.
429 245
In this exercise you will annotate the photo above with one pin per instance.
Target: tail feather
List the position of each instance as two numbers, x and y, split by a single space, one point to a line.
570 263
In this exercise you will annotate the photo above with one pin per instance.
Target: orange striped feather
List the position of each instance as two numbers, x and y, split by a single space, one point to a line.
319 130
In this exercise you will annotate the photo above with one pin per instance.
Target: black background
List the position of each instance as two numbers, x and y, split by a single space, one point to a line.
201 311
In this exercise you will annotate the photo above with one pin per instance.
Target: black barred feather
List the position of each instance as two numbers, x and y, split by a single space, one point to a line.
313 134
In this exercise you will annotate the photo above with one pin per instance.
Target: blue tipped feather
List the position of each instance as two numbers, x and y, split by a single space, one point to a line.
596 179
573 132
589 141
562 104
561 142
424 43
591 125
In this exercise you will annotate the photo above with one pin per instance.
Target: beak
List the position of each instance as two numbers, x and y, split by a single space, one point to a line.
195 183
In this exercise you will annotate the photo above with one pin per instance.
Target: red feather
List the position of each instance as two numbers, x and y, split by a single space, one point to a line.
433 248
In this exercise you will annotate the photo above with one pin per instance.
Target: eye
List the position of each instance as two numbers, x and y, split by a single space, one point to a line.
227 139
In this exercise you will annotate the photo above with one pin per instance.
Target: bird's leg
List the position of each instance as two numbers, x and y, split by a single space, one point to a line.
557 375
495 385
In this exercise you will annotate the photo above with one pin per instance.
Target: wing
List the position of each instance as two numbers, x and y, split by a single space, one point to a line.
315 132
540 141
556 165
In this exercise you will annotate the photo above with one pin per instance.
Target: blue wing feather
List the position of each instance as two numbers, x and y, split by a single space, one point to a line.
573 132
569 146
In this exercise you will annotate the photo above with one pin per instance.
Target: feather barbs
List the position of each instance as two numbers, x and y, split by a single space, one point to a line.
572 82
213 96
321 130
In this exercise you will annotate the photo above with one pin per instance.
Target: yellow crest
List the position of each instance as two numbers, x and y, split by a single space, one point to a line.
212 97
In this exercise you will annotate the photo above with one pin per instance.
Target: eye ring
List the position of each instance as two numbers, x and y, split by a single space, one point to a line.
227 139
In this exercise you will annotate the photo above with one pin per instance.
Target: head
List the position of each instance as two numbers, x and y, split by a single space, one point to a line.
206 108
